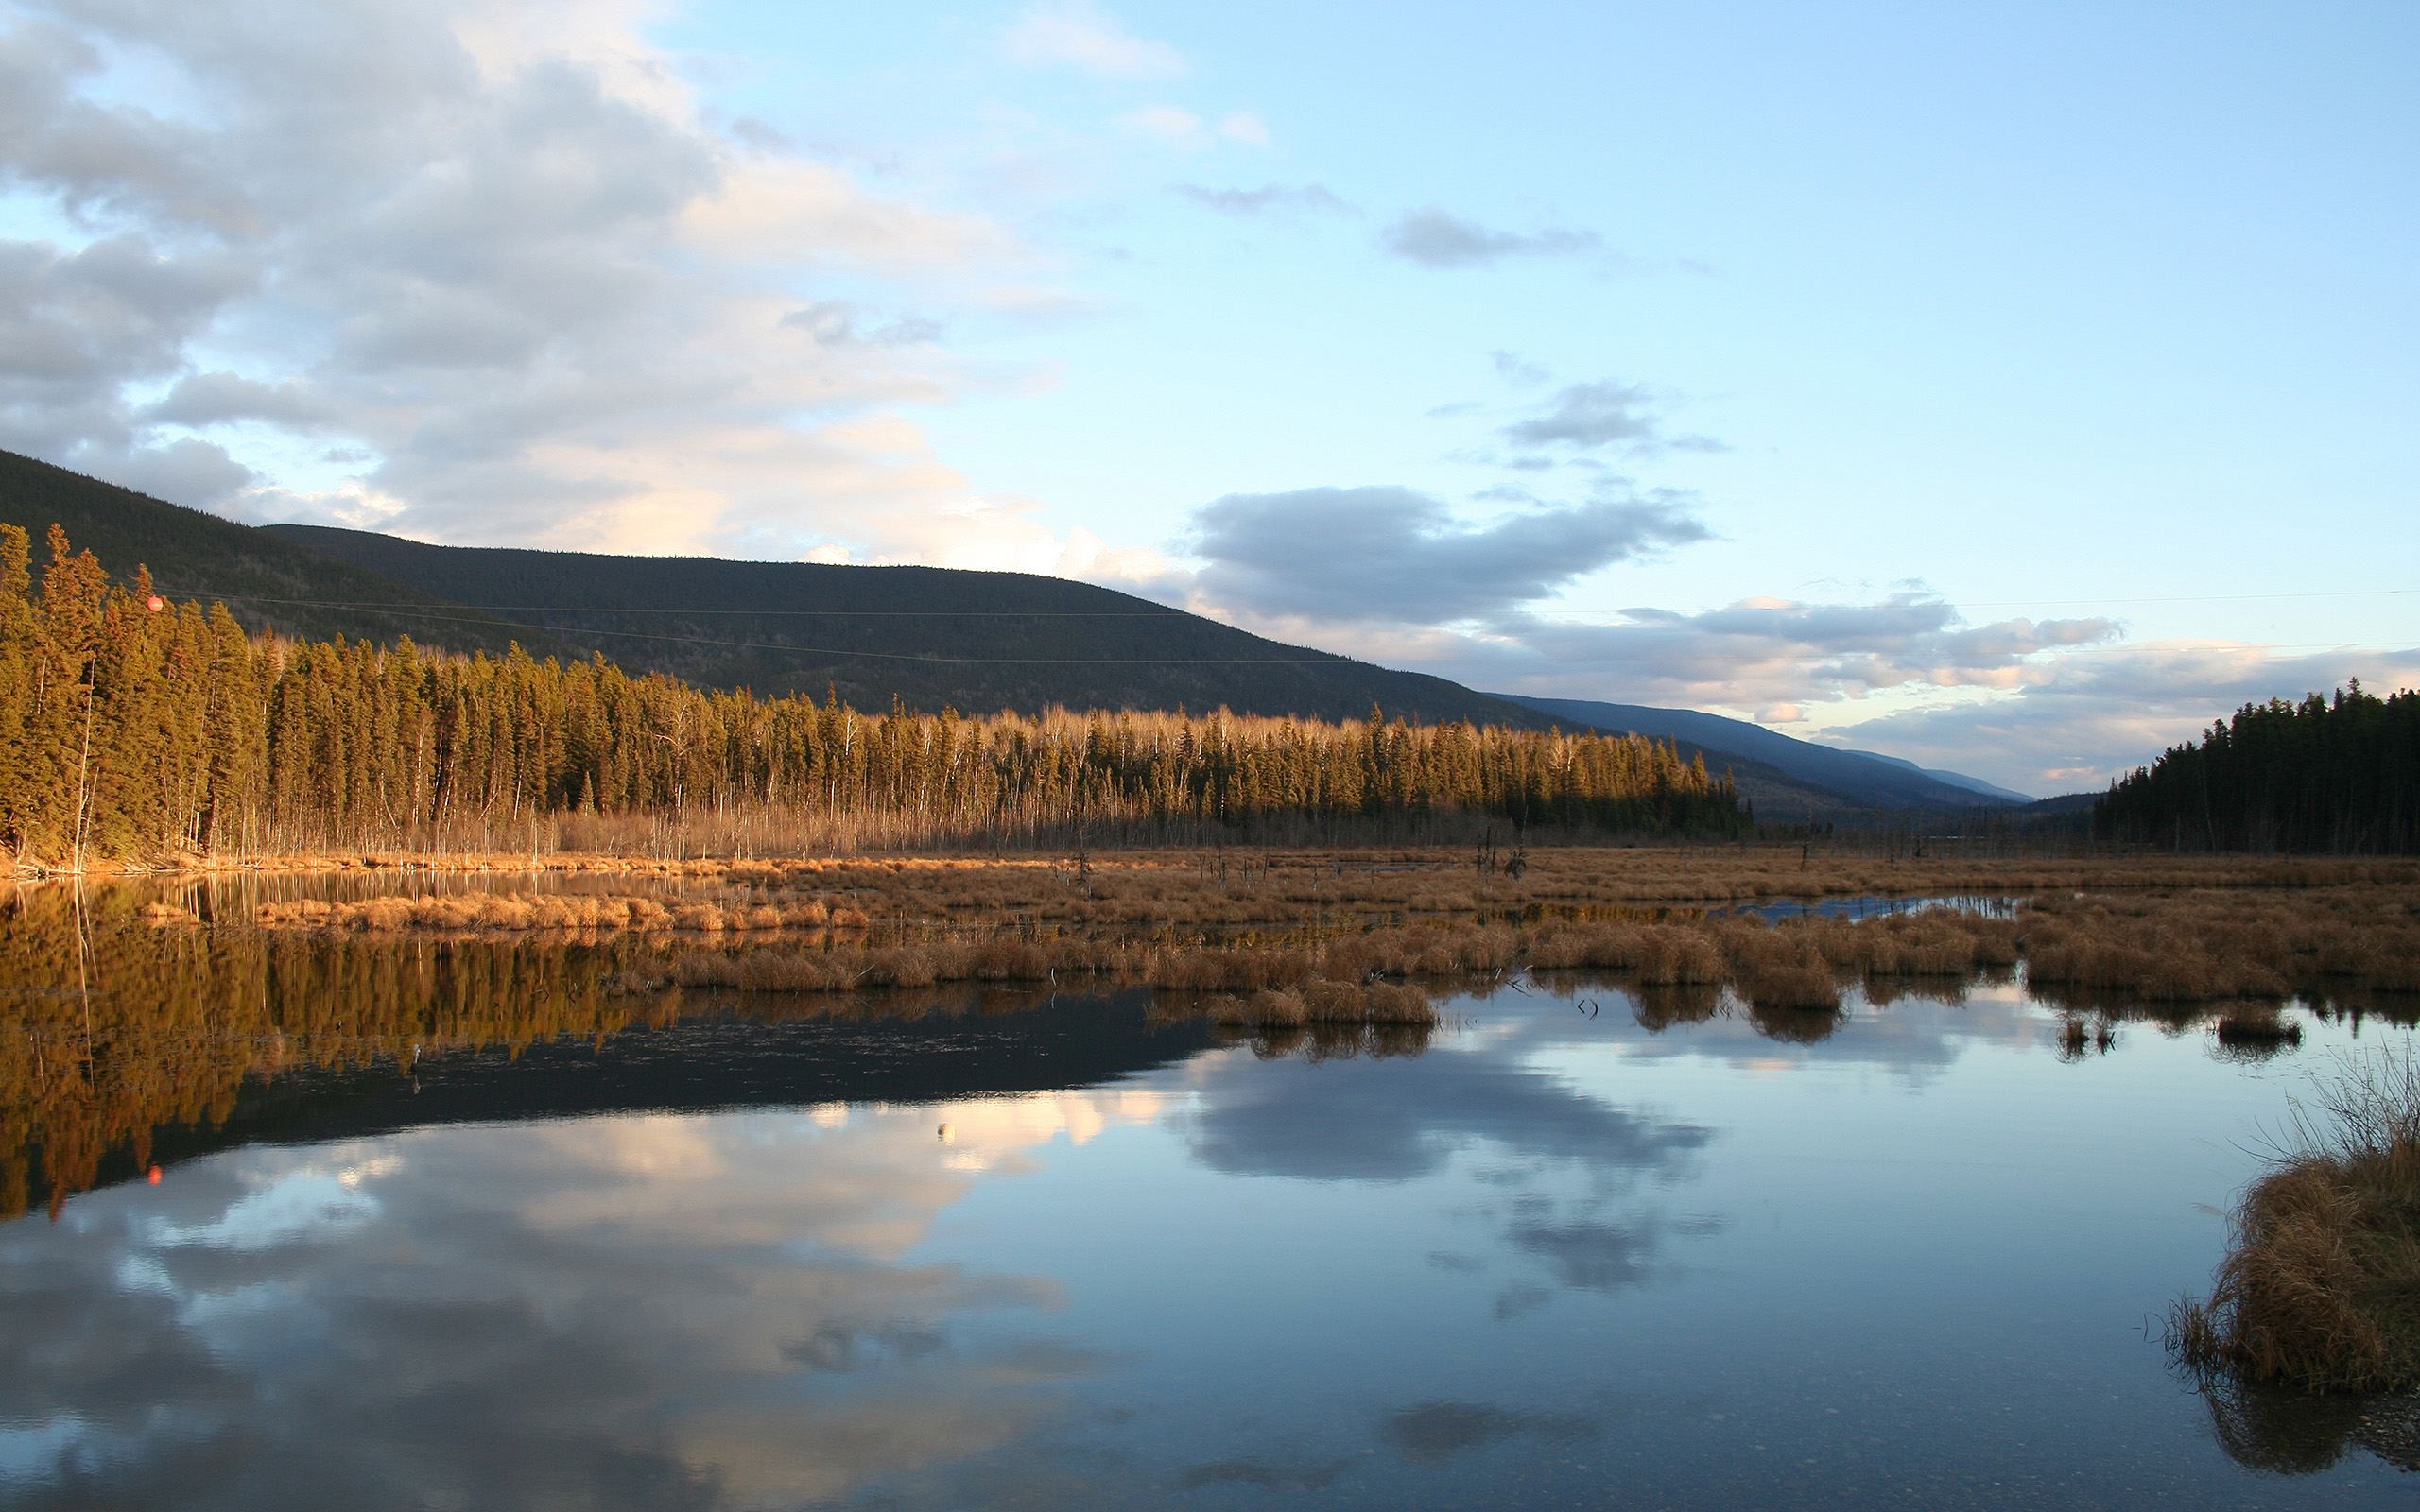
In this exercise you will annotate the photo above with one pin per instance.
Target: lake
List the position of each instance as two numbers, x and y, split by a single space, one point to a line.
450 1225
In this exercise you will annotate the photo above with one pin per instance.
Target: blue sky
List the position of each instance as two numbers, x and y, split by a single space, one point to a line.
1916 377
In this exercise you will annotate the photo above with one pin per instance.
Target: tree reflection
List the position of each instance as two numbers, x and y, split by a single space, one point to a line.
114 1031
122 1042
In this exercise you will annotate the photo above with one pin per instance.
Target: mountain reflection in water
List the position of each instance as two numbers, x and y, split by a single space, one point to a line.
452 1225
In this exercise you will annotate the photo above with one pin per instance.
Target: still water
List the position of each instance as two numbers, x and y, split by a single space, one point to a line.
489 1238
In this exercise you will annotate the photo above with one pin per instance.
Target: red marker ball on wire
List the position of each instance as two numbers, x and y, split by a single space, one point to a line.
156 603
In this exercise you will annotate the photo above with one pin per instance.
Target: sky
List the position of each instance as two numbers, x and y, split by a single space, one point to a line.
2010 388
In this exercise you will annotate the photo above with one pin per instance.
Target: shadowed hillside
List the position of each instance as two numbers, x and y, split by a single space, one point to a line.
931 636
928 636
198 555
1854 779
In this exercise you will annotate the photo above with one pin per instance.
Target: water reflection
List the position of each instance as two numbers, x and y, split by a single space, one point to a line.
456 1225
640 1312
122 1045
1432 1433
1375 1121
2286 1434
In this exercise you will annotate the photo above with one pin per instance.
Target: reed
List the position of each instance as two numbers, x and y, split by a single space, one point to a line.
2165 953
1782 969
2320 1288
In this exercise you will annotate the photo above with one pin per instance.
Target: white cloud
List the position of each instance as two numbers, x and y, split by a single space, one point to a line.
1083 37
2041 706
1171 123
1434 237
1174 126
1244 127
2081 720
1389 555
499 251
1268 199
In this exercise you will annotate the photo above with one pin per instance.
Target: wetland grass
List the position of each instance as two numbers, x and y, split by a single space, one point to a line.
2320 1288
1239 885
1256 937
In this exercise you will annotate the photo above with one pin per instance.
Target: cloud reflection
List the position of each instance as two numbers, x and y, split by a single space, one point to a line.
1396 1121
644 1311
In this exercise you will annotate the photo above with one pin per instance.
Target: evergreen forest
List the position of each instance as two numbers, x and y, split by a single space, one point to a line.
132 727
2337 776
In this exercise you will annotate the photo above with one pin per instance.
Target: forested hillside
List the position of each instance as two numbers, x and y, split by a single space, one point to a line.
2339 775
1784 777
268 584
130 727
929 636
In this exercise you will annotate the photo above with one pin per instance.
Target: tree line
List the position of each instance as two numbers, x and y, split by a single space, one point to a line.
169 1026
2339 775
130 727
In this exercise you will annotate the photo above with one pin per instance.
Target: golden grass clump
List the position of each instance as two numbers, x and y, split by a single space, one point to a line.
549 913
1934 942
1780 970
1325 1002
2257 1030
2176 940
2320 1289
2208 944
1206 969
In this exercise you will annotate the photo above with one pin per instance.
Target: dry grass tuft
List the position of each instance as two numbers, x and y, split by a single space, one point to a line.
550 913
2320 1289
2182 942
1783 969
2259 1030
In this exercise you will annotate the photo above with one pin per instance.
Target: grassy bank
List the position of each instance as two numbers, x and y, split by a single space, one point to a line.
2126 938
2320 1290
1209 885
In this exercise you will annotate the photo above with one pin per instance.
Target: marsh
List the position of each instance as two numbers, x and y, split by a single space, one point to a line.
413 1222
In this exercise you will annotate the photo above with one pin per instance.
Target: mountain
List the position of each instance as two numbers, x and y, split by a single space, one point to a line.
928 636
1854 779
978 642
975 640
1973 784
198 555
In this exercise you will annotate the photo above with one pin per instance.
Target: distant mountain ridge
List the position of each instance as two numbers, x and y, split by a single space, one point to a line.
928 636
262 579
975 640
1974 784
1859 778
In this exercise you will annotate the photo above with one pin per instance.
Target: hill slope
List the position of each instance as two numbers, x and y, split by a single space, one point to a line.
929 636
976 640
1959 779
198 555
1856 778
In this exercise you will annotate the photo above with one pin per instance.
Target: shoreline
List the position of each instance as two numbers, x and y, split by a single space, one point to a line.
1680 873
